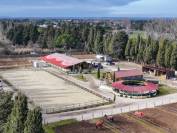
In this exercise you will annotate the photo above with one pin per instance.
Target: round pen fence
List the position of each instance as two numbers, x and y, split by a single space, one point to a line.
135 89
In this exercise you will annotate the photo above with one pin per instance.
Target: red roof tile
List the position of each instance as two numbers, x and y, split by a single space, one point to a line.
128 73
61 60
146 88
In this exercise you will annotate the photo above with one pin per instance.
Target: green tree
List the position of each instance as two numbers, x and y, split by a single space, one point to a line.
64 40
98 44
106 44
128 47
33 123
90 42
173 60
6 105
154 48
168 53
137 42
34 34
119 44
98 73
161 53
17 118
140 55
114 77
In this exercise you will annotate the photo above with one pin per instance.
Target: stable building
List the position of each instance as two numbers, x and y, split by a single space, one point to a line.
133 74
159 71
65 63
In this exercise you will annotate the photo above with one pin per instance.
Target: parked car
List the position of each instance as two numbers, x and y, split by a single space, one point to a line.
97 65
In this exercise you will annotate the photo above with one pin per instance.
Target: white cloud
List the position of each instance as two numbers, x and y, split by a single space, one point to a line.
155 8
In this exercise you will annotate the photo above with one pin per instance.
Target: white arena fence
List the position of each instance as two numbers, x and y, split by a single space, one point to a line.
112 111
72 107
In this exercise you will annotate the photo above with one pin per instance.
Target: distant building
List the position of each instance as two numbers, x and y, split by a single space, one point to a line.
103 58
100 58
65 63
39 64
159 71
43 26
133 74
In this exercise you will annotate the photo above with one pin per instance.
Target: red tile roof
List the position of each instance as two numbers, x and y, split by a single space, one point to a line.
128 73
61 60
146 88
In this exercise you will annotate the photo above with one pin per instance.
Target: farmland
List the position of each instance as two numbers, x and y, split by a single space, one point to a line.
156 120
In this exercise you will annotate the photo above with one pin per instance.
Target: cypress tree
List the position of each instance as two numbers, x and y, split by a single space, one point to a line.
17 118
161 53
98 73
119 43
173 60
114 77
168 53
90 42
127 49
33 123
6 105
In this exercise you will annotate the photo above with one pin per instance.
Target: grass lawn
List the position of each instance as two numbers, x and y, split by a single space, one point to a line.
50 128
164 90
81 77
94 73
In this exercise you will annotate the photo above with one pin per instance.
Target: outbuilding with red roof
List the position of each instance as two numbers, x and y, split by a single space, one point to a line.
65 62
135 88
133 74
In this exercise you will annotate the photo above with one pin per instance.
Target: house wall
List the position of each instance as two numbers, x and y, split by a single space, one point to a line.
140 77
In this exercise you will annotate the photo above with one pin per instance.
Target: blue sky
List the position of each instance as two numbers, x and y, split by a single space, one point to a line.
88 8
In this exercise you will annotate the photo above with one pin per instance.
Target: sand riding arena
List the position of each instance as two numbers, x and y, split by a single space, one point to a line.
49 92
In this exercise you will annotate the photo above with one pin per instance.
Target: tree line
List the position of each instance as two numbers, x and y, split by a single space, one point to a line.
162 52
98 39
87 37
16 117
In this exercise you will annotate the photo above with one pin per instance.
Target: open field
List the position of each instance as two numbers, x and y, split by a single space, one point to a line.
14 62
156 120
48 91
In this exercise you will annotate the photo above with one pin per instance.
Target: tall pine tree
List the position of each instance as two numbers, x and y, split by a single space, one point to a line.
33 123
6 105
173 60
15 123
161 53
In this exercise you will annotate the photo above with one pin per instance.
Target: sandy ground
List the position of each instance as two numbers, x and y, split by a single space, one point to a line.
47 90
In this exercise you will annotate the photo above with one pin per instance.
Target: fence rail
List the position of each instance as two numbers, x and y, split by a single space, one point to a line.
79 106
114 110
